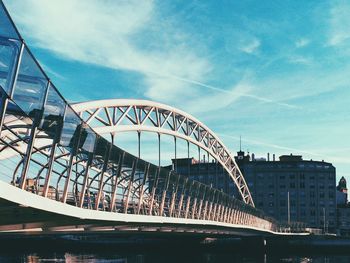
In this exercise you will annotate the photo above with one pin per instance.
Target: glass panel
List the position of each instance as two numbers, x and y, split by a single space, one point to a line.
87 140
53 112
71 128
2 97
101 146
13 109
6 27
30 86
9 51
115 154
128 159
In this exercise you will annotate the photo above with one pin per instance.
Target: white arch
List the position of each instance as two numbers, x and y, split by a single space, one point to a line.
124 115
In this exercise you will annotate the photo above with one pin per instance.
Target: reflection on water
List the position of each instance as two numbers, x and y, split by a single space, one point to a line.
155 258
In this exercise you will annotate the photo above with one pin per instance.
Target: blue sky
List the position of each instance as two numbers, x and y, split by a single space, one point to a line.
275 72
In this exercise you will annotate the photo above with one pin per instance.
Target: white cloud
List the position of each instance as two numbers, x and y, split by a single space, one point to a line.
271 145
282 149
250 46
339 23
108 33
296 59
302 42
282 87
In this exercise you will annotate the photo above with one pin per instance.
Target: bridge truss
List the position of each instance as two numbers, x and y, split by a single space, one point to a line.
127 115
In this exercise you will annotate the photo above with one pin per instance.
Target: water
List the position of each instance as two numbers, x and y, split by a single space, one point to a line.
181 249
154 257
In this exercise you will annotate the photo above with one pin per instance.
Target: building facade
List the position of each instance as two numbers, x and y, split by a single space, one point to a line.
343 209
293 189
342 192
343 220
288 189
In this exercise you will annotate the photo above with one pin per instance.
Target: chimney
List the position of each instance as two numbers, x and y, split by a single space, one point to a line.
274 157
268 157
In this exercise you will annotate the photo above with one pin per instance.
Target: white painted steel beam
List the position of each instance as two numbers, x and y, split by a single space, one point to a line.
170 121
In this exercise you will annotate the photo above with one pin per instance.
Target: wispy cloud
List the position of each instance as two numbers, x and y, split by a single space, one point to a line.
270 145
301 83
339 23
297 59
302 42
251 46
240 90
286 150
266 100
109 34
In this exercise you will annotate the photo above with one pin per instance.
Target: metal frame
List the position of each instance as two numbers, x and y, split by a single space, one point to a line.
127 115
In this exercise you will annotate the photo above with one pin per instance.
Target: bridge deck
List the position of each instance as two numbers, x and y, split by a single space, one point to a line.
23 212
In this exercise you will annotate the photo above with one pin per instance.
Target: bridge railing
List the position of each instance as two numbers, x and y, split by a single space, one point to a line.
47 149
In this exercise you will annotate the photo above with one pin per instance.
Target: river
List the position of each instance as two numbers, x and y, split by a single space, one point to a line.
154 257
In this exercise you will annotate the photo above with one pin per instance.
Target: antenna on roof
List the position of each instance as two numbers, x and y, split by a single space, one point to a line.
240 143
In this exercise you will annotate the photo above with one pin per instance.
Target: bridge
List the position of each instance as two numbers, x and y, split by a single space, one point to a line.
61 170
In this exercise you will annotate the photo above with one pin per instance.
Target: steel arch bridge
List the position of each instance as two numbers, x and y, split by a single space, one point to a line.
58 172
120 115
